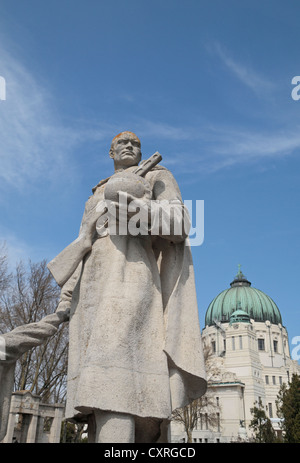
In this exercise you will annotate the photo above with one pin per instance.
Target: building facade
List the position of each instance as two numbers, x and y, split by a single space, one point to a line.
248 362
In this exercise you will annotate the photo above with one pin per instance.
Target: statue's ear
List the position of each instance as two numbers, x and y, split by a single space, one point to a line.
111 153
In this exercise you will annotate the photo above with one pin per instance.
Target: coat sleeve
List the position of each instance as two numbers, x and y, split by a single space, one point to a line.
169 217
183 343
68 288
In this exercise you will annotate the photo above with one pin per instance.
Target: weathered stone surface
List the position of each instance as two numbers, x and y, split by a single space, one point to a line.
135 346
127 182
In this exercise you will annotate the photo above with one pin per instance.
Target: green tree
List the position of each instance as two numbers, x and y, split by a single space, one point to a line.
73 433
261 425
288 409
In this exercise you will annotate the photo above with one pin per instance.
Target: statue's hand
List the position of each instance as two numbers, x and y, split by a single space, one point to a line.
138 205
125 209
129 205
88 225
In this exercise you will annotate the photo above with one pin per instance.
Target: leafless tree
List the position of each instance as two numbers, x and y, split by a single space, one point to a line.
30 295
5 276
202 412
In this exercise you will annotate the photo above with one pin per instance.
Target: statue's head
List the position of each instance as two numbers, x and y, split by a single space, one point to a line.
125 150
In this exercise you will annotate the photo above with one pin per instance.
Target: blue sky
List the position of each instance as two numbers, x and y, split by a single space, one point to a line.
206 83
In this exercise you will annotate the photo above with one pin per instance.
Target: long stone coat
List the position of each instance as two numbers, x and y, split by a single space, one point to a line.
135 343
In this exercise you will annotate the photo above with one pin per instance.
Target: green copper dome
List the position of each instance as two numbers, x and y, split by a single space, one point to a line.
242 297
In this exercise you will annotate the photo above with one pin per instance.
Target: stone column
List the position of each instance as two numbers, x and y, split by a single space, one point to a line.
56 425
31 434
10 428
40 430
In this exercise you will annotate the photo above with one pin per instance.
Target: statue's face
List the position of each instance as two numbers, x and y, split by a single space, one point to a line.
126 150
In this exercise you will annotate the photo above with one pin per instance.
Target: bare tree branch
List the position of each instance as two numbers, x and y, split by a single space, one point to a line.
26 297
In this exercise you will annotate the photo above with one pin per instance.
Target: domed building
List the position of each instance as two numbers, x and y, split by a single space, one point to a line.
248 360
256 304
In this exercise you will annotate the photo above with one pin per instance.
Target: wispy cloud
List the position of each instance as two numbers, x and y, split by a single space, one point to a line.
162 130
244 73
34 143
220 147
237 147
256 144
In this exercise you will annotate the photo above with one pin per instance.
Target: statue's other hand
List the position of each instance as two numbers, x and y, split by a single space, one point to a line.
88 225
138 205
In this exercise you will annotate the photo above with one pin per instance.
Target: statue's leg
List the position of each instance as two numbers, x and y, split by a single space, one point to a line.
111 427
147 430
91 428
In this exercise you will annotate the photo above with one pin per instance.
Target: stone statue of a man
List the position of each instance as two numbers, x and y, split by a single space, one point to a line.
135 351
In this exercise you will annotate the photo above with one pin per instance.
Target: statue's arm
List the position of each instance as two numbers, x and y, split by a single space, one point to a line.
18 341
169 216
64 265
66 293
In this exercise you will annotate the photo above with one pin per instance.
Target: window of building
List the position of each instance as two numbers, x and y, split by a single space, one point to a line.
270 410
218 422
241 342
213 346
280 380
224 344
47 424
206 421
233 342
275 346
274 380
218 401
267 379
261 344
